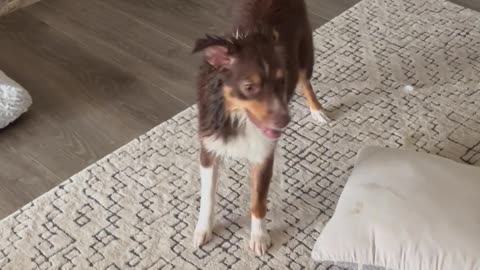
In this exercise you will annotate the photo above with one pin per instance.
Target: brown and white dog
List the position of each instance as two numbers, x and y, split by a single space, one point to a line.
244 88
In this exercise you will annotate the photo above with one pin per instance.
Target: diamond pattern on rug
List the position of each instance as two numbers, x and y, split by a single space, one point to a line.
396 73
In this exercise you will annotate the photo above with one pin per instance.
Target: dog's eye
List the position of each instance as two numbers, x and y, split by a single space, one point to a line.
249 89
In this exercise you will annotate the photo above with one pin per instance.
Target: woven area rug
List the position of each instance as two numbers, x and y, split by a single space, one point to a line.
397 73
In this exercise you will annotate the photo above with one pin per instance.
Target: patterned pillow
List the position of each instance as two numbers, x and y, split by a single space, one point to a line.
406 211
14 100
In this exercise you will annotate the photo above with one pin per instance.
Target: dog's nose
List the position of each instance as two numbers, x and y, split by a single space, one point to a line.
281 119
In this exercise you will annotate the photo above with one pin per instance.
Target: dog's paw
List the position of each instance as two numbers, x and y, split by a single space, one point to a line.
320 116
259 243
201 236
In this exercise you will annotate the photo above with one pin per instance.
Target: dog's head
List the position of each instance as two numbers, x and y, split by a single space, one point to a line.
254 77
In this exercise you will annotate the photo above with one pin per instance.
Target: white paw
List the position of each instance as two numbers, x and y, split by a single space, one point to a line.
201 236
259 243
320 116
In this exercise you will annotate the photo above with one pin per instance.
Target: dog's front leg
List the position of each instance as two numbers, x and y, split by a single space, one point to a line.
208 182
261 176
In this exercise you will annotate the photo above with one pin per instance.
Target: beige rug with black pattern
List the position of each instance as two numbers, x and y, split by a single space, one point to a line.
397 73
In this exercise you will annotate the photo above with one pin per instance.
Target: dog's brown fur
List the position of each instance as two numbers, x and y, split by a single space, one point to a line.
255 70
288 19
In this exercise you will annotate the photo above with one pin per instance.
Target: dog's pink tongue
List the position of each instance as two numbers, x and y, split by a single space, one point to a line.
272 133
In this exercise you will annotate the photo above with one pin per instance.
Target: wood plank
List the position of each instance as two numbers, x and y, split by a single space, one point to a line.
472 4
183 20
7 6
147 52
98 92
329 9
315 20
25 178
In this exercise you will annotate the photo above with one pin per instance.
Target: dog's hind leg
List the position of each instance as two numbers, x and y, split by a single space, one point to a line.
306 61
316 109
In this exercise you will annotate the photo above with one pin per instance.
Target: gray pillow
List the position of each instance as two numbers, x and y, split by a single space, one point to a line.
14 100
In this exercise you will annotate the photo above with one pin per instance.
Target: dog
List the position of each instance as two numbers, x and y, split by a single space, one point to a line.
245 84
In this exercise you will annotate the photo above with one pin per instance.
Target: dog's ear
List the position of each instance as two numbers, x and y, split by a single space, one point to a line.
219 52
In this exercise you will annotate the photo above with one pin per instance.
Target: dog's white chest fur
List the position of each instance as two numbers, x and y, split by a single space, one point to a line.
250 144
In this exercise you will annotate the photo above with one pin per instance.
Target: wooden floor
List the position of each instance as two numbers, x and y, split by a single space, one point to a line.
101 72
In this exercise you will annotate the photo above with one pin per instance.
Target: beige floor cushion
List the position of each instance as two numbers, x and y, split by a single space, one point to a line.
406 211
